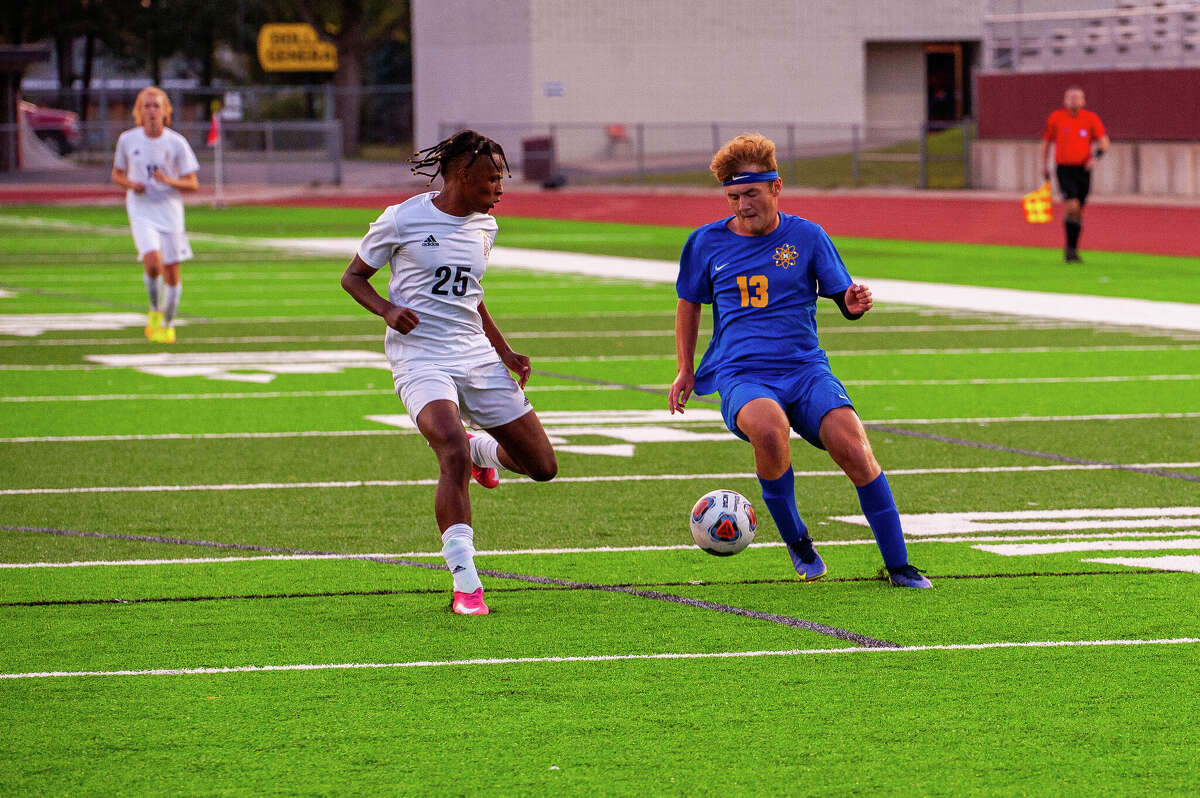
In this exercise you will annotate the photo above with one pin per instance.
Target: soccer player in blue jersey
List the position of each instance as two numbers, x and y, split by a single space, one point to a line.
762 272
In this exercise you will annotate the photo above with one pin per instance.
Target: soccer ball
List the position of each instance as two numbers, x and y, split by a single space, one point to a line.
723 522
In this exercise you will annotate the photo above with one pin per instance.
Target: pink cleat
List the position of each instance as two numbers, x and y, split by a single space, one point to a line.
469 603
488 477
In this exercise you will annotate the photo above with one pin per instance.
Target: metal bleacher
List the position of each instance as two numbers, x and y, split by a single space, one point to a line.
1158 36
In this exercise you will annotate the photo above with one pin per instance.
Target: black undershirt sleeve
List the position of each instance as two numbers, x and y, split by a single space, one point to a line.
840 299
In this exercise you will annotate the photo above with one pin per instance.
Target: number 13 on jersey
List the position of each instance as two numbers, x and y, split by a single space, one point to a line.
754 290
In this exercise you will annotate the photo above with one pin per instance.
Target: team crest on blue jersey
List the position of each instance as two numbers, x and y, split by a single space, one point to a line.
785 256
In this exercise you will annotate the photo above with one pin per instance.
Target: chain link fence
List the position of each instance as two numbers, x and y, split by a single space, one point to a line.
926 155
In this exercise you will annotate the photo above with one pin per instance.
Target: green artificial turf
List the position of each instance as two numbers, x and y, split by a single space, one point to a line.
168 522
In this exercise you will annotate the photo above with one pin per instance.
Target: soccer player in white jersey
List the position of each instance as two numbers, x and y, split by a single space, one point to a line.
154 164
449 361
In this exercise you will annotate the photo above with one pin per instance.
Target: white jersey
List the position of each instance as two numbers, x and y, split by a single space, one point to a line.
138 156
437 263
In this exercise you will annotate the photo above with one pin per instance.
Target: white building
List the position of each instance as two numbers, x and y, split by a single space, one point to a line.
675 70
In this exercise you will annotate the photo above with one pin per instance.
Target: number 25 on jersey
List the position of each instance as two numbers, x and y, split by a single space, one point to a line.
754 290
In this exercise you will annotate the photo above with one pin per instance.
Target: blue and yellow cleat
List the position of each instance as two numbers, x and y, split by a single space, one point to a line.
806 561
905 576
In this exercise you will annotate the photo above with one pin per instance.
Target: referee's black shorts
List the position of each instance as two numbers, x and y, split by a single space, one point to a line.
1074 182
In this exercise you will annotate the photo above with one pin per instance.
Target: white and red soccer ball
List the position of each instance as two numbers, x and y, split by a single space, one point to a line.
723 522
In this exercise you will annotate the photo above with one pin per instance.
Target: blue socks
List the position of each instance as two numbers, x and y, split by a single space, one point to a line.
880 509
877 505
780 496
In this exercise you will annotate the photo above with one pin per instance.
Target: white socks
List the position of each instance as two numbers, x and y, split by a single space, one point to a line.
483 450
458 548
171 302
153 289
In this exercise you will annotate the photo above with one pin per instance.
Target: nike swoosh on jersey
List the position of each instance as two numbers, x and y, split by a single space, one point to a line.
722 266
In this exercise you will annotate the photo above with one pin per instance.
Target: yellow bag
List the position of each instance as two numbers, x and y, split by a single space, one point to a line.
1038 205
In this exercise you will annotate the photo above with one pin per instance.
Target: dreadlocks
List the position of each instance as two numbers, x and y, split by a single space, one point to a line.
464 142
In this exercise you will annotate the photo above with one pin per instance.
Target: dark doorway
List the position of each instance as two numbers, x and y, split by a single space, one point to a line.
948 80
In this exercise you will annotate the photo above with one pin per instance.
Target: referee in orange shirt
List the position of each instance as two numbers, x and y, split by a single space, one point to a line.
1073 130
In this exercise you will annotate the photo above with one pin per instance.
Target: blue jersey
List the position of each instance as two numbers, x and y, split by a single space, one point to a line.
763 290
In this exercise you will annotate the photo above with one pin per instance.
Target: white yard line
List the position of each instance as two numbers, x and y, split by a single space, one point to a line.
1066 307
1116 537
666 332
1063 547
407 483
794 652
172 436
1045 305
29 367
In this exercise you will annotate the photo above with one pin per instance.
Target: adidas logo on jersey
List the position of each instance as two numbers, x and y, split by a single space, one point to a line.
430 242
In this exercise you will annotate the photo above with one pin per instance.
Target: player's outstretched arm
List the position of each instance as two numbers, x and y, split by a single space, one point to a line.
356 281
515 362
687 329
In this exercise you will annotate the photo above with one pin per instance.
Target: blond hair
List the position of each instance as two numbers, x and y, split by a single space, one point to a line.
744 151
162 98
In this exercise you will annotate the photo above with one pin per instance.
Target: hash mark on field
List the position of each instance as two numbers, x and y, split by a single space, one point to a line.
794 652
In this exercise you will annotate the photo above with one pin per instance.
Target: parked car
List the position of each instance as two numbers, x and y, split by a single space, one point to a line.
57 128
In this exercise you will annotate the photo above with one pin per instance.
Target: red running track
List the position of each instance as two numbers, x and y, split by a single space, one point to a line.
1114 227
1157 229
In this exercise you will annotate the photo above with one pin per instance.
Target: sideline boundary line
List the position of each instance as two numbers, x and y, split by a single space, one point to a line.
793 652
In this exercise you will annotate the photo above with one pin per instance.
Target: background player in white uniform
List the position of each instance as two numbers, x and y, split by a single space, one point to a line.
153 164
450 362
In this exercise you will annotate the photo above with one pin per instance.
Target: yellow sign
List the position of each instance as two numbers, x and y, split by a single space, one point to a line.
294 47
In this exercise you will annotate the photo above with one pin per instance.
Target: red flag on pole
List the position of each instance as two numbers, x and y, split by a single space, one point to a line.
214 129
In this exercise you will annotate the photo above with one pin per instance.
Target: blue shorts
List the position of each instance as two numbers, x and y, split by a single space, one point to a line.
805 395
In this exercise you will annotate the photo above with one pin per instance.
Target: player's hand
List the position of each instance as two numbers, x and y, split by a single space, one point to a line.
858 299
138 187
518 364
161 177
402 320
681 391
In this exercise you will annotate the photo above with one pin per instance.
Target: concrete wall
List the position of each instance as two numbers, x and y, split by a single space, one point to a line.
1151 168
471 62
542 62
896 90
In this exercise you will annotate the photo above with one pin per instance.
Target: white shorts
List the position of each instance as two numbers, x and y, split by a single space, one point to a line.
148 238
487 396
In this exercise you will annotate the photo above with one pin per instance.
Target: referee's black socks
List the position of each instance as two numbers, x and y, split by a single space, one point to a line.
1074 227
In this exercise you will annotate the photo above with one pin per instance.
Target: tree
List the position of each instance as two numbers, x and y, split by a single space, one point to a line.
356 28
